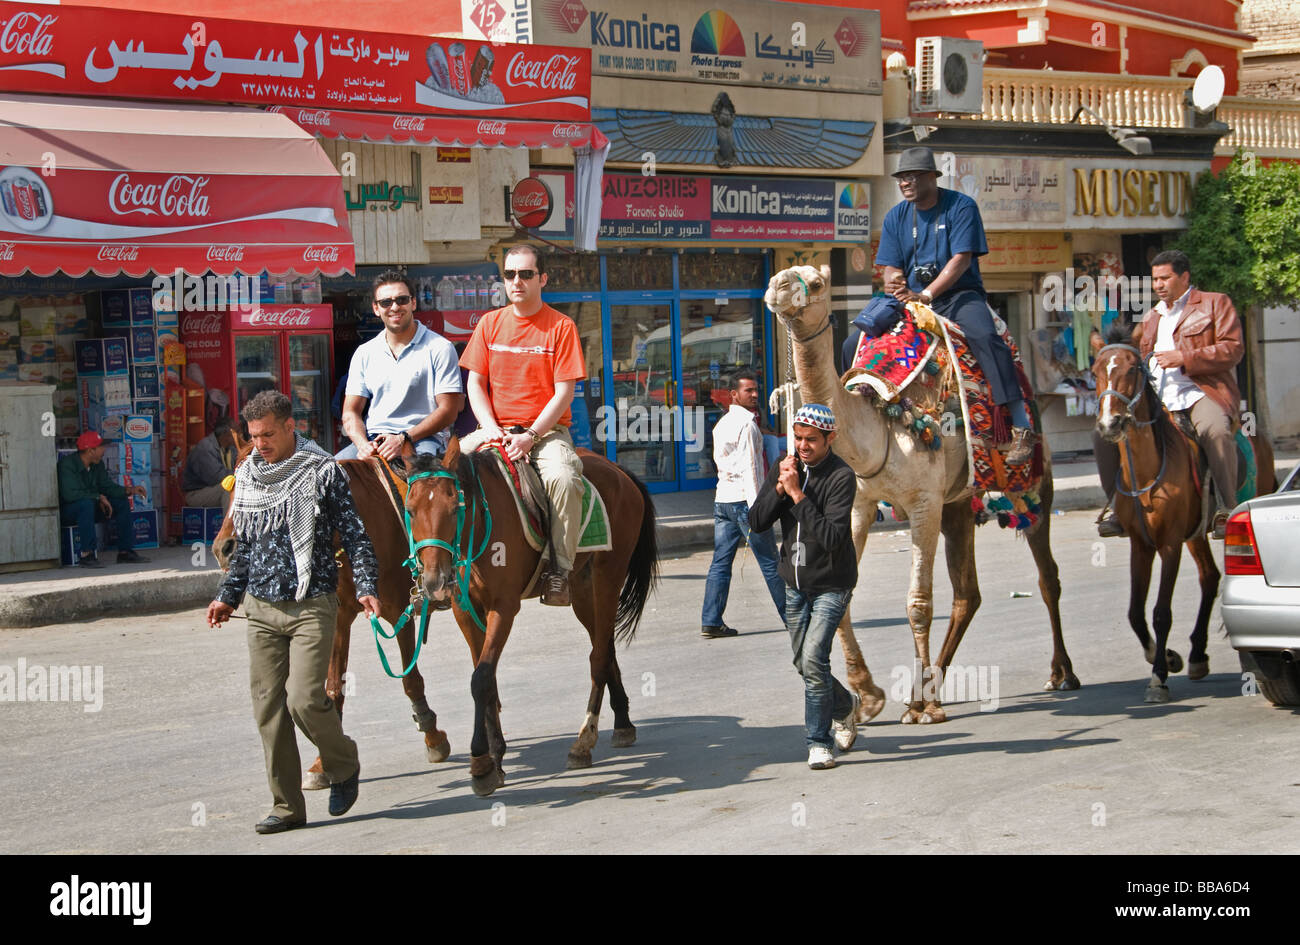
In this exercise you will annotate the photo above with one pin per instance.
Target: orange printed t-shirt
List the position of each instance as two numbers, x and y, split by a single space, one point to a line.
523 358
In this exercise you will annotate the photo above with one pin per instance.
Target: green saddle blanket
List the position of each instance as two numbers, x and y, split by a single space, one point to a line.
1249 481
594 528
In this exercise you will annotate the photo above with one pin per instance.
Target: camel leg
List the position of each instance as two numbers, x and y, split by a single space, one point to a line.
314 778
925 518
958 526
1198 661
1162 619
871 697
1049 585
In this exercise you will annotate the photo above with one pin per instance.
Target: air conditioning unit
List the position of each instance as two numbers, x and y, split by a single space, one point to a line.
949 75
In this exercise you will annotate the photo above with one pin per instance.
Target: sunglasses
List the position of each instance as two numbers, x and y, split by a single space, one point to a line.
524 274
911 177
398 300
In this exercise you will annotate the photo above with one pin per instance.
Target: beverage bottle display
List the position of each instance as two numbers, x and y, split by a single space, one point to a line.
446 294
459 300
484 293
498 294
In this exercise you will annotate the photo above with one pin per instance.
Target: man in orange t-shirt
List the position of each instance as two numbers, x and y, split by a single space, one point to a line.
523 361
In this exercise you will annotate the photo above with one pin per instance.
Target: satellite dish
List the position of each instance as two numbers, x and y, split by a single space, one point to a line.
1208 90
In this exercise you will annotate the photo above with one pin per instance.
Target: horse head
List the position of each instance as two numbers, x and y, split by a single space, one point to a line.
1121 378
801 297
433 500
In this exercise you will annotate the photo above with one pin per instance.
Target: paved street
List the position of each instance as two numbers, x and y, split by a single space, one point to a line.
172 762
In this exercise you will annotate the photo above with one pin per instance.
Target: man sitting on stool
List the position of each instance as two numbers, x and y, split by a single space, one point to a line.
86 493
210 462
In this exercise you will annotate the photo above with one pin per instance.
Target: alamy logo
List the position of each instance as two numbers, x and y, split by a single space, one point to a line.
23 683
102 899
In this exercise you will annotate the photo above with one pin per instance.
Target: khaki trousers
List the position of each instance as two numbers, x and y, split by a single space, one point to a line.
1215 431
560 469
289 654
208 497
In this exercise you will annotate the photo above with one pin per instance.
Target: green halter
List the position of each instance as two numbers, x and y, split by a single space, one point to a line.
461 562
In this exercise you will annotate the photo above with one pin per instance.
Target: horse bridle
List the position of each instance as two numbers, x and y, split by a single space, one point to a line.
1128 402
1135 493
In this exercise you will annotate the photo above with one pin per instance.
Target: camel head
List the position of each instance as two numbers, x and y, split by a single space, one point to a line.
801 296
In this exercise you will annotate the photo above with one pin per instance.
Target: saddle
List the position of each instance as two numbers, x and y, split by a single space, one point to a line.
1247 486
920 347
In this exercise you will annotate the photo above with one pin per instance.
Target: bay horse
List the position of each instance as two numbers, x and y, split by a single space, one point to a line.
377 506
1160 500
465 530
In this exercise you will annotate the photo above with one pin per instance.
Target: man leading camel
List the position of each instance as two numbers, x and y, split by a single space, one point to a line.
1192 343
929 248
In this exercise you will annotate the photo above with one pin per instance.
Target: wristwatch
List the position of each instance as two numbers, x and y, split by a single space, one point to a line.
407 437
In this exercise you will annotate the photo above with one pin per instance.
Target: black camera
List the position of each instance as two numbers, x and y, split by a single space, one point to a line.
926 274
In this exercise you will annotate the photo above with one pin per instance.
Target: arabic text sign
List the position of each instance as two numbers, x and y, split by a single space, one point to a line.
126 54
1013 190
756 42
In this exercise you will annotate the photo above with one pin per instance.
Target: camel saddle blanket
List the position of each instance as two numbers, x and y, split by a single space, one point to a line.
533 511
988 425
890 362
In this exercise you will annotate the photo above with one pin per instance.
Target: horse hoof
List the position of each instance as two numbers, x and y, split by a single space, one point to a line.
1198 670
485 784
1157 694
578 760
870 704
910 717
439 752
624 737
933 713
315 781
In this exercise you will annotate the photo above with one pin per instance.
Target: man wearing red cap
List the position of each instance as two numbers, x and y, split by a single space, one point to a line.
86 492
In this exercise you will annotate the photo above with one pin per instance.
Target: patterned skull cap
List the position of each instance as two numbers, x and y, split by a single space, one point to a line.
816 415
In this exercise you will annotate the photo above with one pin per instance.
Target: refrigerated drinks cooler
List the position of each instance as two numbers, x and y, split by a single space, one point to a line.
288 348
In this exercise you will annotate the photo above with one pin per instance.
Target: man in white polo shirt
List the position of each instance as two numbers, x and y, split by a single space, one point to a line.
410 377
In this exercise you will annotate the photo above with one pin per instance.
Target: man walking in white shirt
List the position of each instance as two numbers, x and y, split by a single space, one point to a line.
738 454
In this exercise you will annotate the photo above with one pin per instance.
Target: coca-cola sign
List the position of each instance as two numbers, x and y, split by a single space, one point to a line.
6 251
559 73
530 202
232 253
321 254
203 323
28 34
283 318
131 54
567 132
496 128
119 252
180 195
408 123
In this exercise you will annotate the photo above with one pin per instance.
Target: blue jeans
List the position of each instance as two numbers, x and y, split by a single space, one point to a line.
730 527
432 446
811 620
82 514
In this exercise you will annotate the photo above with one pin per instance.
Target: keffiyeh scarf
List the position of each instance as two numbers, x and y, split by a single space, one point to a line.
268 495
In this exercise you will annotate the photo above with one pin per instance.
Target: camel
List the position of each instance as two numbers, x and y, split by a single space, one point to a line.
930 486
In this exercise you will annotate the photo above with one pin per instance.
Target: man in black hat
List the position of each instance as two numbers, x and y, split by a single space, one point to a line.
929 248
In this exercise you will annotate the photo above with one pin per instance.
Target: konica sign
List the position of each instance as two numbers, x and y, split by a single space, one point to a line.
754 42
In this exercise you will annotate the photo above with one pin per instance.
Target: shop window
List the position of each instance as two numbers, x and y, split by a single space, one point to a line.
573 272
638 272
710 271
588 395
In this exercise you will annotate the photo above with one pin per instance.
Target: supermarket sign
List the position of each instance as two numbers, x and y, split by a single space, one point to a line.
734 209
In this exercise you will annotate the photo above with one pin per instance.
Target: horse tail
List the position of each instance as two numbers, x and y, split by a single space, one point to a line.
642 570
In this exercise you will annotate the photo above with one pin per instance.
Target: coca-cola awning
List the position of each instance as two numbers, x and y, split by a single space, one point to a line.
379 128
133 188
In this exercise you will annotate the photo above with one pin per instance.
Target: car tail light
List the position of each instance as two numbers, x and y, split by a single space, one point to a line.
1240 555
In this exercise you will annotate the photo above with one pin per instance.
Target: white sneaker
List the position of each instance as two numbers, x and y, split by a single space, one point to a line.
819 757
845 730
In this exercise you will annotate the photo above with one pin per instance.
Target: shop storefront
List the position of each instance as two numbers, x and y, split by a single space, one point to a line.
738 145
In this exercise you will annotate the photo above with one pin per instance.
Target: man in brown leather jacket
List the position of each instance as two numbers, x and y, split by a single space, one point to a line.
1192 343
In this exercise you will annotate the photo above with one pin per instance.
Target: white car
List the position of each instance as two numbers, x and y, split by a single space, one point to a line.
1261 589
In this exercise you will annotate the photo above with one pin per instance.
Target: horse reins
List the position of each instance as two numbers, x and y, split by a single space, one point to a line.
1128 402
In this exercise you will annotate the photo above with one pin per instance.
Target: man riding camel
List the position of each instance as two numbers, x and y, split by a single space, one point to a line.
523 362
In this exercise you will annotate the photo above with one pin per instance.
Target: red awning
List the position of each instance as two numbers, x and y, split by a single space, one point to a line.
133 188
449 132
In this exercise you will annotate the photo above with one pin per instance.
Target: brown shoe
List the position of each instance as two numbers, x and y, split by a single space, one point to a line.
1022 446
555 589
1220 526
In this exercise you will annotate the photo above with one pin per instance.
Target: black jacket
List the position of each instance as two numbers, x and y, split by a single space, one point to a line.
821 525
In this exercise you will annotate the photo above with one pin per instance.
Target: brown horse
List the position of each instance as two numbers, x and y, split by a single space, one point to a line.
1160 501
378 508
492 569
